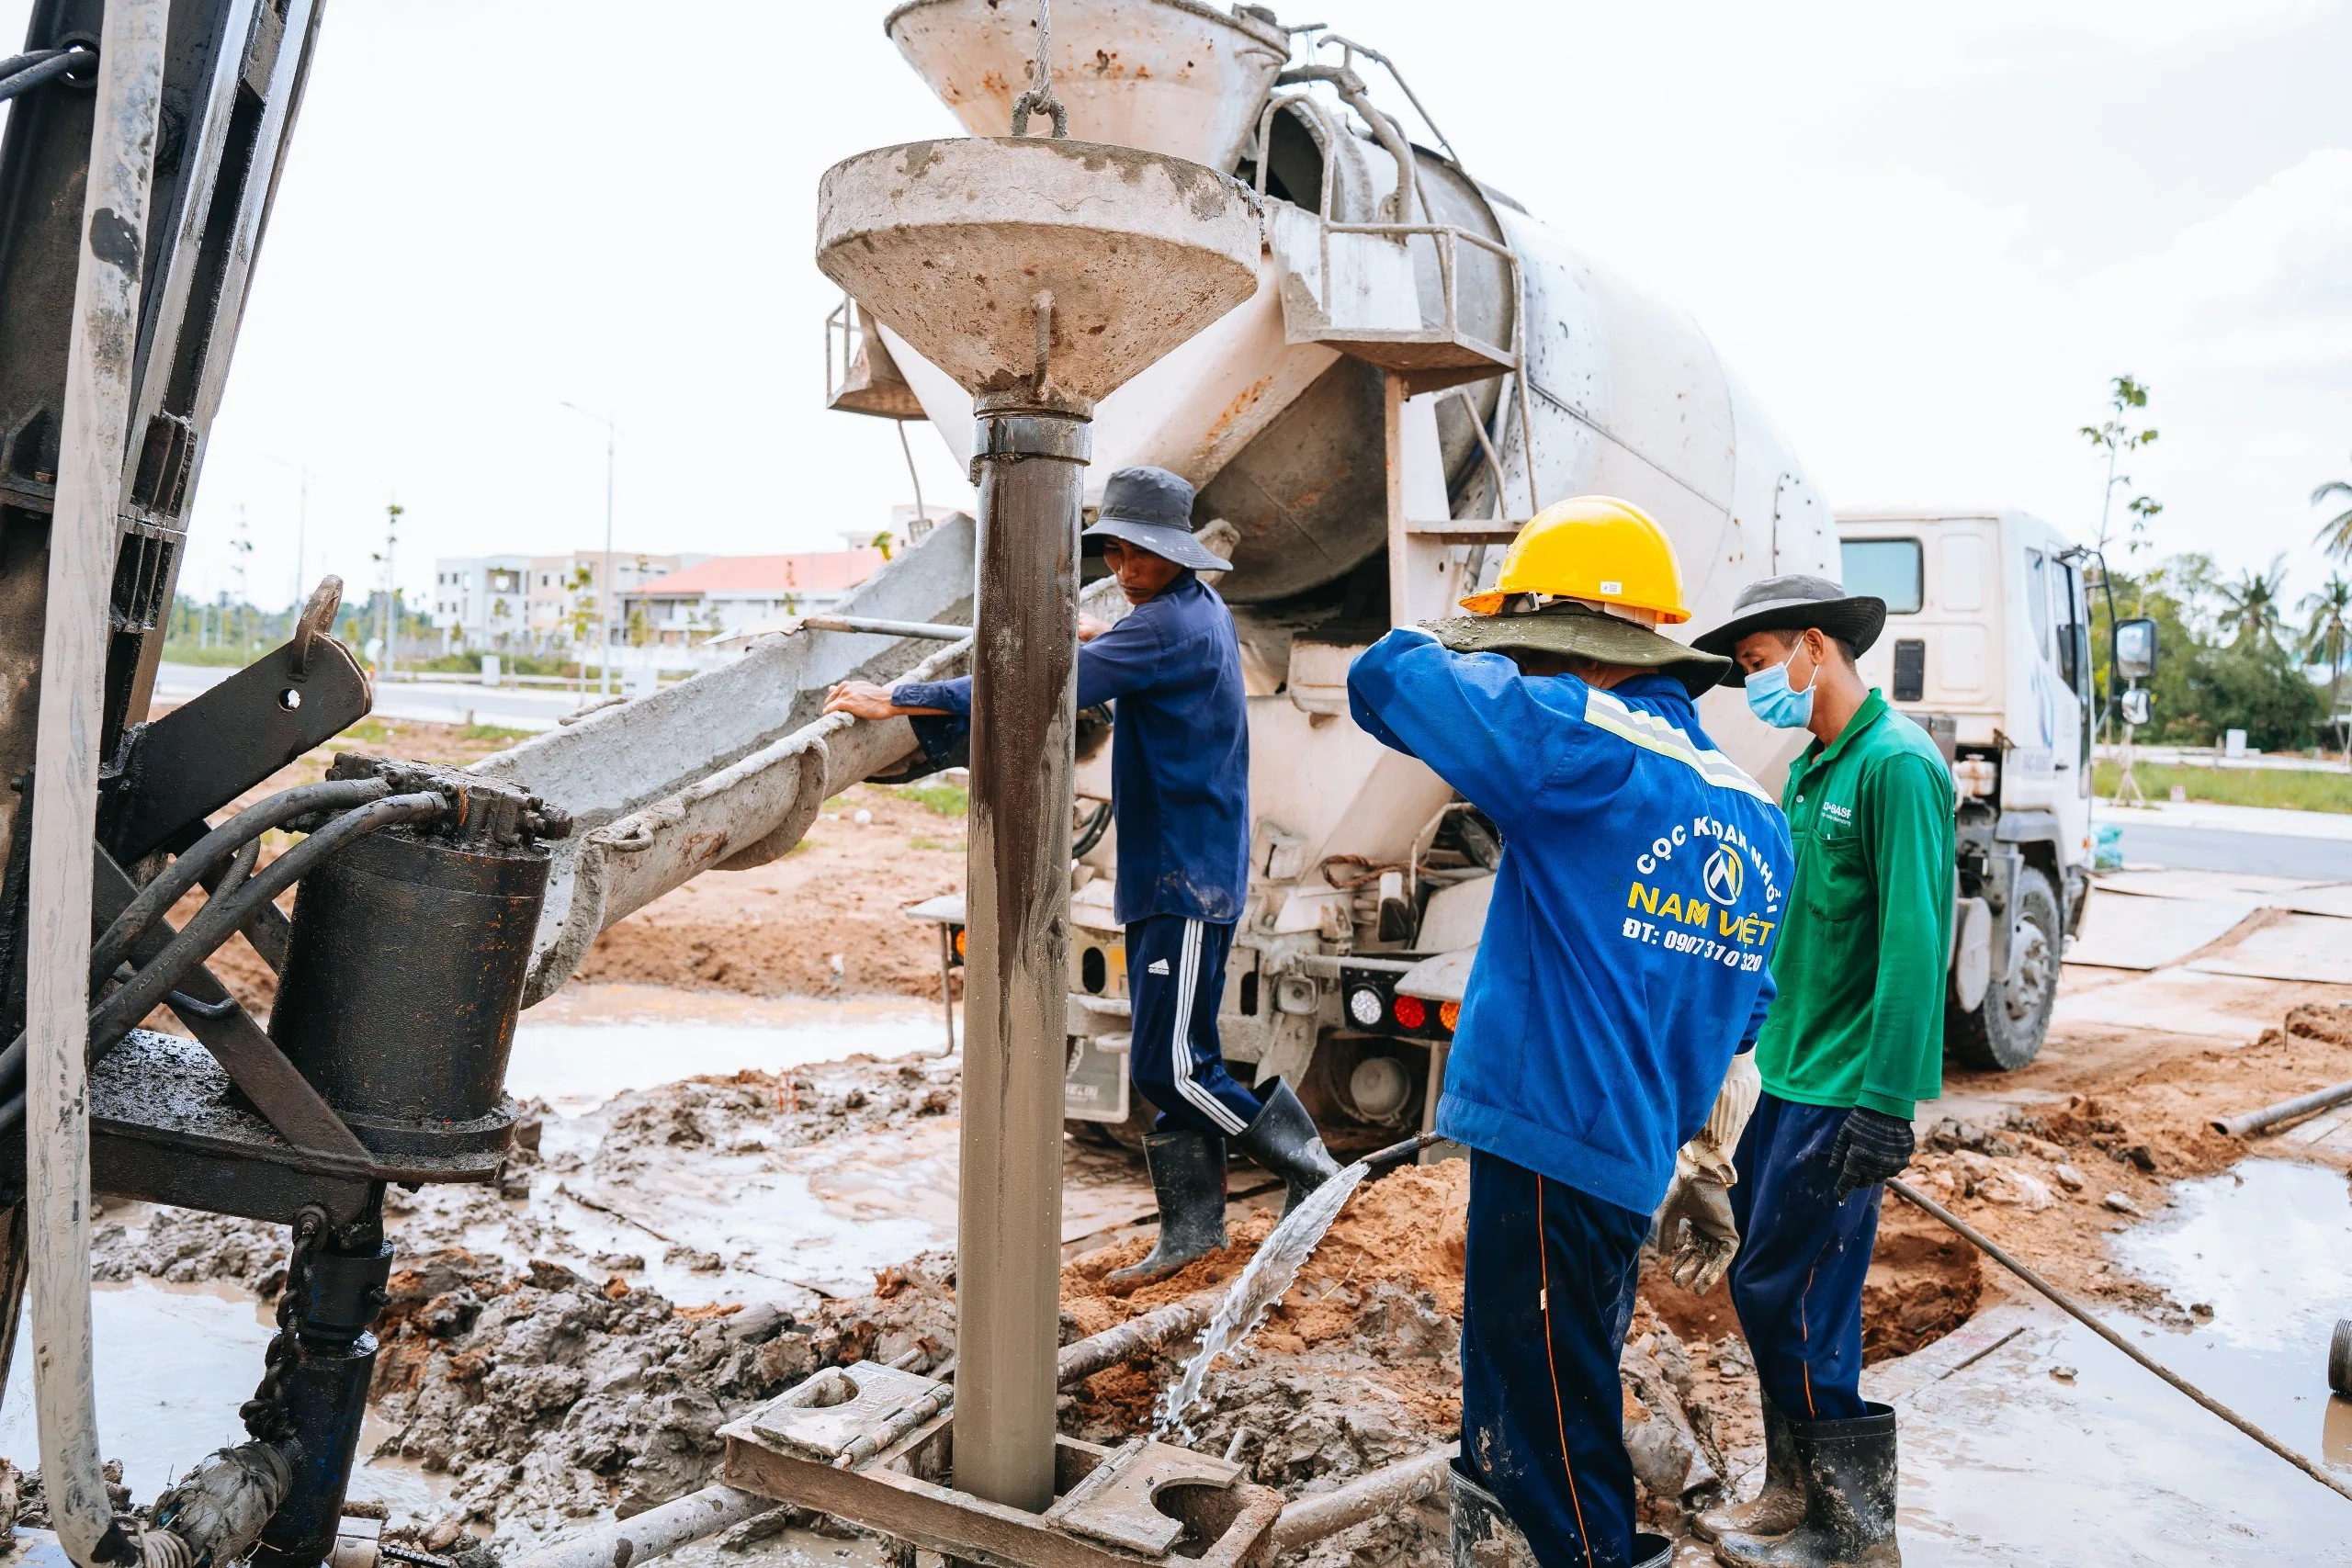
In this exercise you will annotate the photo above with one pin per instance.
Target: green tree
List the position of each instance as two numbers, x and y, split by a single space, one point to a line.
2250 612
2327 633
2117 438
2336 534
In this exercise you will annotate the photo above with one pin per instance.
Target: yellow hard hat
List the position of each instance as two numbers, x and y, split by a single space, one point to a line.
1593 547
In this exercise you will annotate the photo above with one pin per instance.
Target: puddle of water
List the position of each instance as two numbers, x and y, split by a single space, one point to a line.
2269 1249
575 1065
2009 1462
173 1363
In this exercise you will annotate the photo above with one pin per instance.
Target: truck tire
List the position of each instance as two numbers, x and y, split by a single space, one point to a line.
2005 1031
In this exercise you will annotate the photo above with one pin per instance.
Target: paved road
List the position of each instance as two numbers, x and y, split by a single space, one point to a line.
2265 854
451 701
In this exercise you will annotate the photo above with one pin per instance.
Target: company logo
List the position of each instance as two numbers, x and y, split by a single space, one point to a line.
1723 875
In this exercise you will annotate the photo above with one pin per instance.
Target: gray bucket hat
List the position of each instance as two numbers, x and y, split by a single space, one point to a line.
1794 603
1153 509
1588 633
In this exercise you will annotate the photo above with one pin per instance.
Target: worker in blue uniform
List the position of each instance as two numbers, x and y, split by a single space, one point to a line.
1626 962
1180 794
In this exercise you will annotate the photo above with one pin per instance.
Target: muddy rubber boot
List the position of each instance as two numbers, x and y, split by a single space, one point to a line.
1780 1506
1651 1551
1188 1177
1483 1534
1284 1141
1850 1482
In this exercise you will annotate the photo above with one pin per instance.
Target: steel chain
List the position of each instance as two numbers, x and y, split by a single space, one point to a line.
265 1413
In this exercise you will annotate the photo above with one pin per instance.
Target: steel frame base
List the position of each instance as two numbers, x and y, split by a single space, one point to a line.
902 1494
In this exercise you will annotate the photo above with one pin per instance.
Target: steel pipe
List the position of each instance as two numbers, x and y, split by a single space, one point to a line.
1024 658
655 1532
82 543
1368 1497
2286 1111
931 631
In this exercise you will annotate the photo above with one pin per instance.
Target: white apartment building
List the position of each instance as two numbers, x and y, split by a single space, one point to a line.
481 601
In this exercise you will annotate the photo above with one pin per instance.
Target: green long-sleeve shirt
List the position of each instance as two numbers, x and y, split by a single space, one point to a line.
1860 1020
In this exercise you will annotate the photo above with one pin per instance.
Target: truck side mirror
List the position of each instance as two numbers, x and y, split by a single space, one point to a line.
2136 705
2135 649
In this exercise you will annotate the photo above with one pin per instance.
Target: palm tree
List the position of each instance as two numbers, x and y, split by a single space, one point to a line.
2327 635
2250 606
2336 534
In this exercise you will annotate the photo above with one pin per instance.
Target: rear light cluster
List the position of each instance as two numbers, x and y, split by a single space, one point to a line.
1374 1007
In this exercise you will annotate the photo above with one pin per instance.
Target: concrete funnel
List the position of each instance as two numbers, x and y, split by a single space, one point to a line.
1173 77
952 242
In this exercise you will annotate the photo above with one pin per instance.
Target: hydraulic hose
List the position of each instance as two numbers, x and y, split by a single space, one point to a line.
214 925
29 71
221 844
62 810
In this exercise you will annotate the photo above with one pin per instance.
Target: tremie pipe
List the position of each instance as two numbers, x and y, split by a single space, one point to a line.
2065 1303
2286 1111
1024 653
82 547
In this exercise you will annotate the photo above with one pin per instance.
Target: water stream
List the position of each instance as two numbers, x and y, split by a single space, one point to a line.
1287 1248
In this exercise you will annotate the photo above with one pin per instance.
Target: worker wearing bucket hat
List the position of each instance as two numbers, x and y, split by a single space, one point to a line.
1855 1040
1624 966
1180 770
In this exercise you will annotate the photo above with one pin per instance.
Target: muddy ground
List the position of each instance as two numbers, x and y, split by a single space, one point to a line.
548 1380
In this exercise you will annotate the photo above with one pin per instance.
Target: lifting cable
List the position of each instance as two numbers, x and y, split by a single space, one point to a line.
22 73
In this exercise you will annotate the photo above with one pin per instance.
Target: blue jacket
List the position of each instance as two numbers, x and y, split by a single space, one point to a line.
1180 750
1627 950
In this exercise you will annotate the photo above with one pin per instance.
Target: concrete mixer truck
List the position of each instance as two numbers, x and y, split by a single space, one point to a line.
1424 364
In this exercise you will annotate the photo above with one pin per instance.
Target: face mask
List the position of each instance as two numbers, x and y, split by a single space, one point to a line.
1769 698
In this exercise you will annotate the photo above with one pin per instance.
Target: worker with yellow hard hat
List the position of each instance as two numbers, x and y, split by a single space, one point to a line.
1624 966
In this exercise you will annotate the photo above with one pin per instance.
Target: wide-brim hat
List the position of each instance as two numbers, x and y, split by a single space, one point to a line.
1572 628
1794 603
1152 508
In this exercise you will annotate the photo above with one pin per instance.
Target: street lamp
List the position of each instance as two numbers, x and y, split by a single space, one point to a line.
604 587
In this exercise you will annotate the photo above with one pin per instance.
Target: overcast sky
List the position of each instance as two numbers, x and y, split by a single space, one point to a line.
1925 236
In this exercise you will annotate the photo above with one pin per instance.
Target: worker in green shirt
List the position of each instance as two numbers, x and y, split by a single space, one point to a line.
1854 1040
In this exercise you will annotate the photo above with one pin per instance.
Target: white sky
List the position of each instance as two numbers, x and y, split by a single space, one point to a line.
1925 236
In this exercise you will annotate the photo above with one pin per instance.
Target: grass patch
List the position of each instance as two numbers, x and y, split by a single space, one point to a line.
946 799
920 842
177 653
497 732
2291 789
370 730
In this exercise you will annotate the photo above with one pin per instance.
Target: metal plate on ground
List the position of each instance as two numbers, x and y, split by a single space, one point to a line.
2291 947
842 1410
1114 1503
2126 930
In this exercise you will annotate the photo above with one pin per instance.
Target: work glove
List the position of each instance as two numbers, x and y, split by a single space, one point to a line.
1870 1148
1694 1225
1695 1232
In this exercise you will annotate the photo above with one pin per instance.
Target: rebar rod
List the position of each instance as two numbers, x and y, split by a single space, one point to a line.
2066 1303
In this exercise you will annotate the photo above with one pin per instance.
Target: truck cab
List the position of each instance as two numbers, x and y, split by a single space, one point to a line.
1987 645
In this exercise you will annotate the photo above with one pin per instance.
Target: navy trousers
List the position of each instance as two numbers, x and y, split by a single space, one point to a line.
1547 1296
1175 974
1797 1282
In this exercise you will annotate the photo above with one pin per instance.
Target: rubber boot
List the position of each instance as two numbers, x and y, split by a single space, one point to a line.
1284 1141
1850 1482
1780 1506
1485 1537
1188 1177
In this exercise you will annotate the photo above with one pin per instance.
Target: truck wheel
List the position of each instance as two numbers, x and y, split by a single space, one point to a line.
1127 1135
2005 1031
